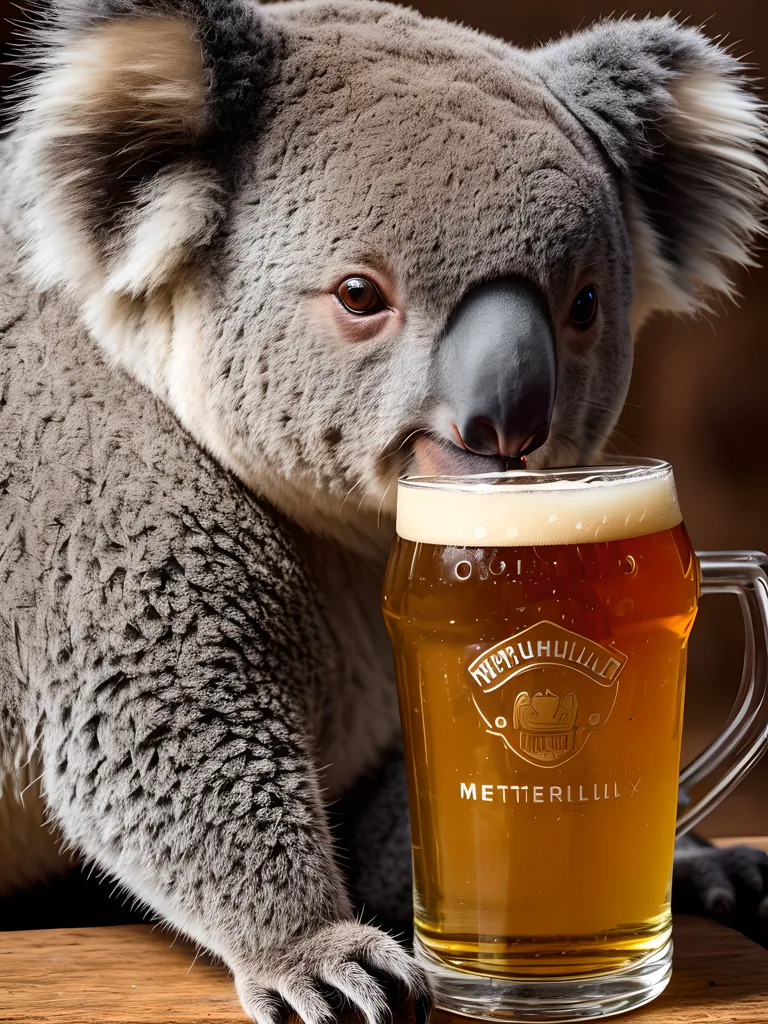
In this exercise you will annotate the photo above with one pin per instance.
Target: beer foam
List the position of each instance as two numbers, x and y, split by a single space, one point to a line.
526 509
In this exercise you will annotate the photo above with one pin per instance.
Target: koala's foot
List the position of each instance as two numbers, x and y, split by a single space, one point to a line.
341 963
729 884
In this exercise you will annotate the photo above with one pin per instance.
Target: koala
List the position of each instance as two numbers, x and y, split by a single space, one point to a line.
256 262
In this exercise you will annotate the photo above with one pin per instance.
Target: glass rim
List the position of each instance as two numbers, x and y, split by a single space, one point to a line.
613 469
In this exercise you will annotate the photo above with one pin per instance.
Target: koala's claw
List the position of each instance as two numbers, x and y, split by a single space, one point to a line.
723 883
345 962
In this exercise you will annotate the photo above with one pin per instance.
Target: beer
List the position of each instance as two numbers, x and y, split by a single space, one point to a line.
540 632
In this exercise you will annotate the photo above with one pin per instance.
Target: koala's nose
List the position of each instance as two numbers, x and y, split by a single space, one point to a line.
498 369
483 437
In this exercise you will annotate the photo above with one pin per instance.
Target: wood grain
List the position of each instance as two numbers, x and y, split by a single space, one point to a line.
132 975
718 976
123 975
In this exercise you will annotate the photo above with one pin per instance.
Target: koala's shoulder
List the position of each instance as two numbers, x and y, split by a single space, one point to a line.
181 511
99 481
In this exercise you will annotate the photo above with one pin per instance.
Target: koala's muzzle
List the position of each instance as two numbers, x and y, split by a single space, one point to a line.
497 368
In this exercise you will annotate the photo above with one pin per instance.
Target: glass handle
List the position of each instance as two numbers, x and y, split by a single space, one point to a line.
718 769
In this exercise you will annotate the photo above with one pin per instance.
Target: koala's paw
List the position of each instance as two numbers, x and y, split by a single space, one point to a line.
722 883
346 963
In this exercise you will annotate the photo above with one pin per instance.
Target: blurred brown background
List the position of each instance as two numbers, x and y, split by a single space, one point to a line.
699 395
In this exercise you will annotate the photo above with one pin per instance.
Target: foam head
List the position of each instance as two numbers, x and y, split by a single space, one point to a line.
520 508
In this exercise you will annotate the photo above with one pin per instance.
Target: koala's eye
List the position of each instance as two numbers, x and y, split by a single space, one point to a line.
584 308
360 296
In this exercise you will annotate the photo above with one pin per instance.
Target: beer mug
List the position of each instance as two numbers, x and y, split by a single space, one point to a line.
540 624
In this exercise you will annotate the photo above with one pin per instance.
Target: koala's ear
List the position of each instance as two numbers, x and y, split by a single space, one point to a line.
673 112
123 131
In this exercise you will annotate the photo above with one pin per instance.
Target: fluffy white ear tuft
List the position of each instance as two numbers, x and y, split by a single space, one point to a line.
719 129
143 76
176 213
119 163
106 140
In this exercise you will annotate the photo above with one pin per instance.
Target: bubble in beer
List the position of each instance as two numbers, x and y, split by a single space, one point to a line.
500 723
463 570
479 532
512 531
594 719
630 565
553 518
623 607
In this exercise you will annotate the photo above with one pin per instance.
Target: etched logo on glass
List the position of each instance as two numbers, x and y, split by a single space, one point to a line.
545 690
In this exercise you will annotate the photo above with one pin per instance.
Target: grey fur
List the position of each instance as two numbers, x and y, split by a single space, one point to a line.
196 494
716 881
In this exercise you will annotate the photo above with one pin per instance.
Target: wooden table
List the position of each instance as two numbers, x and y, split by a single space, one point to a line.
134 975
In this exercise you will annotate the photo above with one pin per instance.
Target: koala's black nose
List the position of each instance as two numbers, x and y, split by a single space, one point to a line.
483 437
497 368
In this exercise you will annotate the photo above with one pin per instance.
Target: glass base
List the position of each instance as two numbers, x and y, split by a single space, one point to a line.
547 1002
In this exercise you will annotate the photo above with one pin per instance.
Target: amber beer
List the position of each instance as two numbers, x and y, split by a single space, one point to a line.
540 631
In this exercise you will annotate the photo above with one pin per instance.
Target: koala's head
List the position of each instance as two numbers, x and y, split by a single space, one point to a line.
345 242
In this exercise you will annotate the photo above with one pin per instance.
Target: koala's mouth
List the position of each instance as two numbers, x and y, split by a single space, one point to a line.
428 455
424 452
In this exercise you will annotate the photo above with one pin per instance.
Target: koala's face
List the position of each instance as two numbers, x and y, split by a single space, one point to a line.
354 339
412 248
